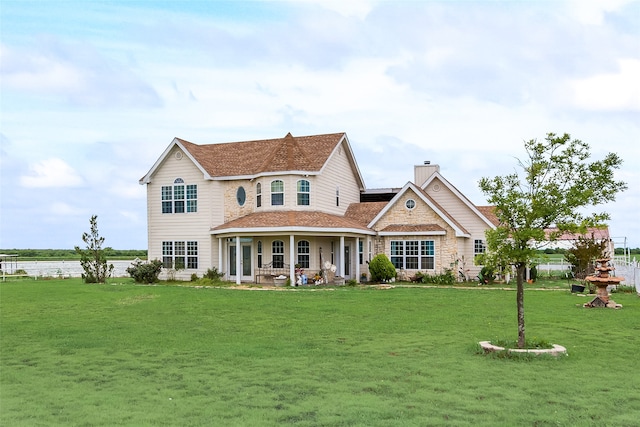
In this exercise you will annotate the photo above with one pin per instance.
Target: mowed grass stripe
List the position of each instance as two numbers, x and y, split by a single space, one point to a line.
121 354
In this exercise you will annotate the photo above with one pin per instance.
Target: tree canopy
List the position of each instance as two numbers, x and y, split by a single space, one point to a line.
556 184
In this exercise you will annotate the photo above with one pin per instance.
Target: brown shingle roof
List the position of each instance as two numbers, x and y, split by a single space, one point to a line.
278 219
489 212
364 212
301 153
592 232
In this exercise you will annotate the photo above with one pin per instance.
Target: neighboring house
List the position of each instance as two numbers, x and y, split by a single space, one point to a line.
568 240
262 206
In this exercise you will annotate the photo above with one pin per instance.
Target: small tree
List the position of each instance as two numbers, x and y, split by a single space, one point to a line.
582 255
557 183
93 259
381 268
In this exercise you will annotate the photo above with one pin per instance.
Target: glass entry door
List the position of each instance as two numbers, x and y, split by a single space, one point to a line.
347 262
245 261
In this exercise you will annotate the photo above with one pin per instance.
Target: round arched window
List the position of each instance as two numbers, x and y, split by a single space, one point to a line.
241 196
410 204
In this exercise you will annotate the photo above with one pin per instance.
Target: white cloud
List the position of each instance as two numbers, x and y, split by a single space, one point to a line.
612 91
64 209
592 12
77 73
51 173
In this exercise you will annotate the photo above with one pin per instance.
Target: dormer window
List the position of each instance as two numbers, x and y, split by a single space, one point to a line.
277 193
303 192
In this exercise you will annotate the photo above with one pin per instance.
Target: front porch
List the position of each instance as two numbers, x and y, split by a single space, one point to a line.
264 258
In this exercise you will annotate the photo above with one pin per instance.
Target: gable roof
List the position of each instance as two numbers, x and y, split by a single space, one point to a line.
250 159
457 227
491 222
298 221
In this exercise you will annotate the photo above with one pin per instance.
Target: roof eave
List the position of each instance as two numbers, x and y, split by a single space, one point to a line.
412 233
324 231
175 142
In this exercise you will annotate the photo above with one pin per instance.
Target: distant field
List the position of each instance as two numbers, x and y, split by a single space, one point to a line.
70 254
128 355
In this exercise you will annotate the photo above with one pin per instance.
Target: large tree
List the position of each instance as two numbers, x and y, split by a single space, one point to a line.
93 259
556 185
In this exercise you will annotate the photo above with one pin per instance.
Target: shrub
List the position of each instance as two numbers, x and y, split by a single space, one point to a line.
145 272
194 277
446 278
487 275
381 268
213 274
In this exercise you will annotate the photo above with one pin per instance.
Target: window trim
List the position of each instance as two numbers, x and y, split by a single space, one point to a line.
419 252
301 192
277 250
179 197
277 193
258 194
303 258
180 254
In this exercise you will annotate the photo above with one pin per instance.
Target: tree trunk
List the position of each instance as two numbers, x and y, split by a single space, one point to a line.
520 271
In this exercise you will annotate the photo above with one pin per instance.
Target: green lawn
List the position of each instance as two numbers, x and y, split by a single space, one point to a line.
120 354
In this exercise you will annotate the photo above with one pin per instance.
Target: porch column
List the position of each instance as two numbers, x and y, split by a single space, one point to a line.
358 258
238 258
220 270
292 260
341 254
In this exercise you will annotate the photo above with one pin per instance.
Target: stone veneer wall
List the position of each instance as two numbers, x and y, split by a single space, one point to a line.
232 209
446 247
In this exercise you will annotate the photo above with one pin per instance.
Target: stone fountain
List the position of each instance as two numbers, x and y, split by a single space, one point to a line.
602 280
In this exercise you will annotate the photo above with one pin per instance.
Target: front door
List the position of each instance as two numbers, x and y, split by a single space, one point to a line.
245 261
347 262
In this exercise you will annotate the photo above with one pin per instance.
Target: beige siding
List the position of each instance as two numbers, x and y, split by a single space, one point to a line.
193 226
338 173
466 217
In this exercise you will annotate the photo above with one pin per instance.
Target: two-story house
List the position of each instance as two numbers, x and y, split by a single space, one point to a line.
301 201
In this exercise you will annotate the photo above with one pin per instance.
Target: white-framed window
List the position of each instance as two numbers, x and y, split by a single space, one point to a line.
303 192
277 193
258 195
179 198
361 252
410 204
277 254
180 254
259 253
303 253
413 254
479 247
338 196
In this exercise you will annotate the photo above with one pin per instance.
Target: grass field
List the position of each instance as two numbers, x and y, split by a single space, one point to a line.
126 355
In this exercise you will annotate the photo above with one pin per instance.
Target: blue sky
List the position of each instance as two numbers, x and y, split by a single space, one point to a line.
92 92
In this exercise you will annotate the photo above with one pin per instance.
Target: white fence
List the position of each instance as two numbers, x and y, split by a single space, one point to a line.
64 268
624 267
630 270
